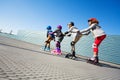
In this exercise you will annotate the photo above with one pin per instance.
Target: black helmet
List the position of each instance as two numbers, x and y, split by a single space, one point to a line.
72 23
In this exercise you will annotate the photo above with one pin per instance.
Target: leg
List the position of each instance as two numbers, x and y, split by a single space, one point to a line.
77 37
72 54
75 40
73 48
45 46
59 40
57 44
48 42
96 44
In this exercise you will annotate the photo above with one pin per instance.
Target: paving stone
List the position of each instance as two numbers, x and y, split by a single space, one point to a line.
24 64
3 76
4 79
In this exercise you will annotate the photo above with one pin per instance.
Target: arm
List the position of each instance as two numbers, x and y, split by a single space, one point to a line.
70 30
69 35
55 31
88 29
47 34
86 33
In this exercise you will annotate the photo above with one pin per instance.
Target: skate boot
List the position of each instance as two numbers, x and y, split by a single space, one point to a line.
94 60
59 51
56 51
44 48
48 49
69 55
73 55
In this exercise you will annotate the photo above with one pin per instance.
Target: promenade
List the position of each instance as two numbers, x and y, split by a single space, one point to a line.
24 61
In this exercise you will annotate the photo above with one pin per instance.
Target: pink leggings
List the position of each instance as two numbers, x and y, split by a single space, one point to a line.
97 42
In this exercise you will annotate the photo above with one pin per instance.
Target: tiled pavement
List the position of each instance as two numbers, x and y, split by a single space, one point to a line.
24 61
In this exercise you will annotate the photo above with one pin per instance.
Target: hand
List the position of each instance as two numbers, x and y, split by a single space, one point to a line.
86 33
66 32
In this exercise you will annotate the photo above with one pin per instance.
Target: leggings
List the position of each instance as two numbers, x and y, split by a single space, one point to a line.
97 42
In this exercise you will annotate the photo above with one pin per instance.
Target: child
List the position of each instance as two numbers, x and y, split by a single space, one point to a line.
50 37
99 36
76 36
59 37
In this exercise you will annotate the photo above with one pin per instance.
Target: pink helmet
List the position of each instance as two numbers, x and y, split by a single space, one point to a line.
59 27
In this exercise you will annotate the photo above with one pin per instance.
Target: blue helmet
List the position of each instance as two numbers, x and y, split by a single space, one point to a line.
49 28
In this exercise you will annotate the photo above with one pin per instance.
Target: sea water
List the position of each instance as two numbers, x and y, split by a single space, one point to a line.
108 50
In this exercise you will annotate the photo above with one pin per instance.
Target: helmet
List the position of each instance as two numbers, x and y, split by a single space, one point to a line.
49 28
72 23
93 20
59 27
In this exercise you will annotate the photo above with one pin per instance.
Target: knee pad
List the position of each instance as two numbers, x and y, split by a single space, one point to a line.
95 48
57 44
94 45
47 42
72 43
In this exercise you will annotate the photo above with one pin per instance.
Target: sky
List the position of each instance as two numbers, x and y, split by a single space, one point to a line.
36 15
